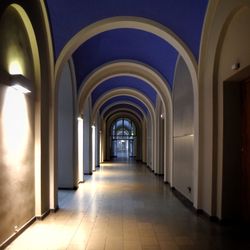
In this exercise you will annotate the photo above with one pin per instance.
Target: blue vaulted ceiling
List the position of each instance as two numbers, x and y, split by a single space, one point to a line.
124 81
125 44
182 17
185 18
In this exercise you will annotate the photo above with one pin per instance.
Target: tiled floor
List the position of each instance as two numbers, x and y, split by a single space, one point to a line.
124 206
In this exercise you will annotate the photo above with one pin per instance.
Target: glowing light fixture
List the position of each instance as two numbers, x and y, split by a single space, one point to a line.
15 68
80 149
93 147
17 82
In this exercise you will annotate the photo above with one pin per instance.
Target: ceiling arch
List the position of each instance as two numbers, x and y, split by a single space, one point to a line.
123 106
124 81
184 18
124 99
125 44
122 92
126 68
122 111
122 22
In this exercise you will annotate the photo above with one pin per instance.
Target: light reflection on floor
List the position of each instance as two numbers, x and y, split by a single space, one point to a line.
124 206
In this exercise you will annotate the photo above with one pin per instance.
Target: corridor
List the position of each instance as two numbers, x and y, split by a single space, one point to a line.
123 205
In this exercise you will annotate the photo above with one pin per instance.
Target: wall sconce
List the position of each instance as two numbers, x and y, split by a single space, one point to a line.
235 66
17 82
79 118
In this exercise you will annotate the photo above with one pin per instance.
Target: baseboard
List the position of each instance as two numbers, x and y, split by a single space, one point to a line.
68 188
160 175
45 214
17 233
54 210
184 200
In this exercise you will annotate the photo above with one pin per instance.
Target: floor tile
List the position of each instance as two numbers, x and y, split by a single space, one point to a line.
125 206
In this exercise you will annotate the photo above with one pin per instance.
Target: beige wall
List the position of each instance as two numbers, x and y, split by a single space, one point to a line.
219 16
183 126
160 151
16 130
235 48
87 137
65 130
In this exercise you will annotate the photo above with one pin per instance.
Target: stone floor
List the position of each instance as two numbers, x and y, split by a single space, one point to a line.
125 206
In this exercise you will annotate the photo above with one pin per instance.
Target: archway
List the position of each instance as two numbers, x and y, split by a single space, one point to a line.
168 36
123 138
152 78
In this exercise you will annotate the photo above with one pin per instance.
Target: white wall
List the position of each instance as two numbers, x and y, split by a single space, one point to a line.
65 130
183 105
149 144
87 138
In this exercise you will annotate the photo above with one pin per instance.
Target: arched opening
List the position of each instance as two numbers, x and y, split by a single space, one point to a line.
123 139
171 38
151 117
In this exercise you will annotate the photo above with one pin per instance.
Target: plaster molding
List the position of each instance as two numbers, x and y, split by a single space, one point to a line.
134 93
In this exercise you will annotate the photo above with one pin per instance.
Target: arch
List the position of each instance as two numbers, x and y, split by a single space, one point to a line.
142 98
150 76
162 32
127 102
109 120
145 121
120 22
126 68
119 92
124 110
168 36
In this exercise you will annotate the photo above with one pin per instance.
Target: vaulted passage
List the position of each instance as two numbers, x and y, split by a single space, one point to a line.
125 206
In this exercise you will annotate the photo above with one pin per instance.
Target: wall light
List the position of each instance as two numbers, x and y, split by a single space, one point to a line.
79 118
93 147
80 150
17 82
